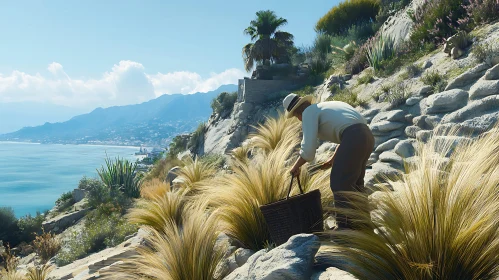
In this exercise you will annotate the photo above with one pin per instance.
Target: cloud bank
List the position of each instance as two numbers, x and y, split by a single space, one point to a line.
126 83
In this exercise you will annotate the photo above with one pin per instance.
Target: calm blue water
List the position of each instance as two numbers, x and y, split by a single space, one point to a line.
33 176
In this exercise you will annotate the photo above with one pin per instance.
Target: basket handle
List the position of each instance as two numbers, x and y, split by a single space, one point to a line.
291 185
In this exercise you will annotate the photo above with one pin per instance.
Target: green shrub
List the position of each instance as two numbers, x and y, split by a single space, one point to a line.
481 11
177 145
436 20
398 94
30 226
197 137
412 70
380 48
64 201
485 53
119 174
405 54
217 160
322 44
100 232
224 102
367 78
307 90
348 96
358 62
340 18
434 79
9 228
88 183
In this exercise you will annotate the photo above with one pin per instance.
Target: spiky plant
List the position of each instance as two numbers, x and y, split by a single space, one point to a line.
177 253
238 195
159 211
270 134
39 272
439 223
120 174
381 48
153 188
194 172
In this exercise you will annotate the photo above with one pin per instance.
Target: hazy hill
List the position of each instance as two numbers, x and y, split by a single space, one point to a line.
16 115
149 123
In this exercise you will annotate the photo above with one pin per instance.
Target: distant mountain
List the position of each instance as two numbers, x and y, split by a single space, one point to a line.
16 115
153 122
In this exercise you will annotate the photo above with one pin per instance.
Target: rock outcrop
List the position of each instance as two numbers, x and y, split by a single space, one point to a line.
292 260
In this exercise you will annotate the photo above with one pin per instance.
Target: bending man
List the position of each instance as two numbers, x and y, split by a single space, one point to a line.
340 123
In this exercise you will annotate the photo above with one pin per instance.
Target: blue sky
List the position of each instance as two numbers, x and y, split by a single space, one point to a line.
79 53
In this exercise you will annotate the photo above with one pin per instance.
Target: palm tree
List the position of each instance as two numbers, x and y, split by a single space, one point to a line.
268 43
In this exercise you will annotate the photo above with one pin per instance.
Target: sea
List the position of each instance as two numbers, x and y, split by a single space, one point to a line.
33 176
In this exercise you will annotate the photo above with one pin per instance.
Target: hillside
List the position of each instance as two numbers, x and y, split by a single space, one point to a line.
150 123
428 208
32 114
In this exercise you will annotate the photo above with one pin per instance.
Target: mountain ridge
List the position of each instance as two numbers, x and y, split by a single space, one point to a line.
152 122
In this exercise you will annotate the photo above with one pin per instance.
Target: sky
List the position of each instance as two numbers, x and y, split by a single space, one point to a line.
91 53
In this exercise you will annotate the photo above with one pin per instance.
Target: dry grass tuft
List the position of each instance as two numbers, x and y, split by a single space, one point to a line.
160 211
274 131
194 173
10 275
46 245
176 253
441 222
39 272
153 188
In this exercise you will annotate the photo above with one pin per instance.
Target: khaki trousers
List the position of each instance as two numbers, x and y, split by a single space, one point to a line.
349 166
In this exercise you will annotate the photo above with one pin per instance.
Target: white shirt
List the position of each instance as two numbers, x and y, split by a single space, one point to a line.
326 121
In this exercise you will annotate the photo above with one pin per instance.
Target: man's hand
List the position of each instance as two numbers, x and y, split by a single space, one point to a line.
295 171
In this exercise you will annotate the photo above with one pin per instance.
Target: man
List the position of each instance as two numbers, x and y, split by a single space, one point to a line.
340 123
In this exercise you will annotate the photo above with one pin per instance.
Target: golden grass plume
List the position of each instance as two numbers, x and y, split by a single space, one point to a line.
39 272
270 135
153 188
195 172
159 211
177 253
440 222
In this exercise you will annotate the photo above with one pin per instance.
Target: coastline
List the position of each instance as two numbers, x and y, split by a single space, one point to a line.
75 144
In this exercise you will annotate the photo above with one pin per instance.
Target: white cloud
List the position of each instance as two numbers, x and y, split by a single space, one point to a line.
190 82
126 83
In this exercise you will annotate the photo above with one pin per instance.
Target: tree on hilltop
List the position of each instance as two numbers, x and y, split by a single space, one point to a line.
268 42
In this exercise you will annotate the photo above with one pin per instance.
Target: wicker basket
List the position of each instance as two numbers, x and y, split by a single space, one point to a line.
293 215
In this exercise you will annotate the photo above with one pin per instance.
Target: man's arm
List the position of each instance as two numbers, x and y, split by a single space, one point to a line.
310 127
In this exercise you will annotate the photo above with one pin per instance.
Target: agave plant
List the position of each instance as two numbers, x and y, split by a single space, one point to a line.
380 48
120 174
439 223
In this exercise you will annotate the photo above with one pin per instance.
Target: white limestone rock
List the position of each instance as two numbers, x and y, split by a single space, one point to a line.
446 101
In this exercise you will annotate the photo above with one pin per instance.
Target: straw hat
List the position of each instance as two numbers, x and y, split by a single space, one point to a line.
293 101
